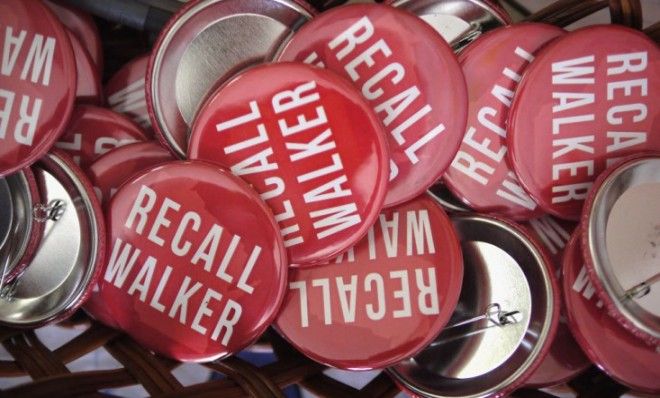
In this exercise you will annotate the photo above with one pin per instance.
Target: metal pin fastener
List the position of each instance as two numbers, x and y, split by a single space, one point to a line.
641 289
53 211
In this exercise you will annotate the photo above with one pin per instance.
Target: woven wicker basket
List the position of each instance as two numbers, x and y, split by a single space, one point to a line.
50 368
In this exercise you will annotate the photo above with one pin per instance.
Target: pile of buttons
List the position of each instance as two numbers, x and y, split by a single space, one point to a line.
269 165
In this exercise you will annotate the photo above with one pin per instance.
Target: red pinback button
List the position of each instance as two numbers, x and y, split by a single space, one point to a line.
125 92
185 68
309 144
94 131
107 174
415 86
196 267
383 300
621 355
493 64
111 170
83 27
38 83
621 243
565 360
88 84
589 98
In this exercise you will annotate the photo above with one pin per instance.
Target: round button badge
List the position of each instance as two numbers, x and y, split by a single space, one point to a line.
624 357
493 65
196 266
37 83
410 77
308 142
114 168
587 100
94 131
185 68
88 83
384 299
125 92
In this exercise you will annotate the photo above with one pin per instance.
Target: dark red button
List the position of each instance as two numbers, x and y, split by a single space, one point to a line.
111 170
589 98
88 84
94 131
383 300
565 360
125 92
309 144
37 82
493 65
83 27
107 174
621 355
410 77
196 267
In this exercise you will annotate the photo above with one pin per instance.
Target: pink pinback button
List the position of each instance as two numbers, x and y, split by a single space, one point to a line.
83 27
493 64
37 83
624 357
185 68
589 98
94 131
112 169
196 267
384 299
565 360
308 142
621 243
107 174
125 92
88 84
415 86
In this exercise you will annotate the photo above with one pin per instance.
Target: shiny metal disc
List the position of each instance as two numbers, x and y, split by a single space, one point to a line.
21 236
458 21
623 233
480 357
65 261
6 212
206 45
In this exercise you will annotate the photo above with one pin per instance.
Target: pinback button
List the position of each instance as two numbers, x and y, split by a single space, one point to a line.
94 131
565 360
196 268
416 87
588 99
111 170
624 357
107 174
185 67
384 299
308 142
493 64
38 83
505 319
124 92
621 243
83 27
458 21
71 248
88 83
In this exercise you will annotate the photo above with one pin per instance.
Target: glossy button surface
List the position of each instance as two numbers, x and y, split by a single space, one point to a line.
37 83
621 355
88 83
307 141
384 299
94 131
565 360
196 267
124 92
410 77
589 98
493 65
